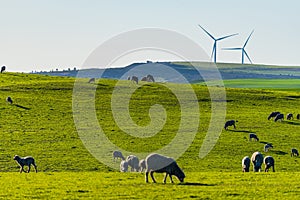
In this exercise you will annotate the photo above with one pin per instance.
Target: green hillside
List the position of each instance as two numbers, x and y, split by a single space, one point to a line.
40 123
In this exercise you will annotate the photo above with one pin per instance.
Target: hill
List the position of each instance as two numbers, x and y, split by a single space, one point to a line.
188 70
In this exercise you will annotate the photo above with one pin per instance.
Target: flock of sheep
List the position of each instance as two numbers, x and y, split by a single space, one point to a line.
152 163
257 158
135 79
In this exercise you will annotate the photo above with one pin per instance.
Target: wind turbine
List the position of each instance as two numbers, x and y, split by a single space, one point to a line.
242 49
214 51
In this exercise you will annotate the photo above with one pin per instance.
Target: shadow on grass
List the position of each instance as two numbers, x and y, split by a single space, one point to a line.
196 184
279 152
23 107
263 142
291 123
241 131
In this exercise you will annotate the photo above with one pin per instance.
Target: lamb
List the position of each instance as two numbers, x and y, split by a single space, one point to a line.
267 147
133 162
135 79
279 117
230 123
160 164
142 165
246 164
289 116
9 100
294 152
253 136
28 160
118 154
269 162
298 116
257 159
123 166
273 114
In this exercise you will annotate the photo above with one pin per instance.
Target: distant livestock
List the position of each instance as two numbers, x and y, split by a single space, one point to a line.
28 161
273 114
279 117
133 163
269 162
257 160
253 136
118 154
298 116
246 164
144 78
3 69
267 147
135 79
123 166
150 78
162 164
142 165
9 100
294 152
92 80
230 123
289 116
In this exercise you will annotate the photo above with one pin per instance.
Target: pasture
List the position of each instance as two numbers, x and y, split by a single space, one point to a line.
40 123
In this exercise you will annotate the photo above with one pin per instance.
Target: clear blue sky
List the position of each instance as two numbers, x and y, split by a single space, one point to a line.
44 35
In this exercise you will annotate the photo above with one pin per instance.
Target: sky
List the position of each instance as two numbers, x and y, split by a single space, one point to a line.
44 35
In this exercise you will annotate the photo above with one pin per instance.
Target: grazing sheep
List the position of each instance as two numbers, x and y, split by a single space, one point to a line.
160 164
257 159
289 116
118 154
294 152
253 136
279 117
25 161
142 165
133 162
9 100
246 164
92 80
150 78
267 147
273 114
269 162
123 166
230 123
3 69
135 79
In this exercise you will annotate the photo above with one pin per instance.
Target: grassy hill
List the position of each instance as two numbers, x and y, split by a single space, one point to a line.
40 123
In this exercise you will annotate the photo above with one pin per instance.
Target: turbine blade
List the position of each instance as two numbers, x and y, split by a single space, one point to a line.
248 56
213 51
207 32
231 48
227 36
248 39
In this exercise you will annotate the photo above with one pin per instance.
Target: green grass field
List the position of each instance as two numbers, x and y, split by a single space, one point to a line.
40 123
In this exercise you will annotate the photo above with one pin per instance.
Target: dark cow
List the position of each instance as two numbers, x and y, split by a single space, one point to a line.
269 162
279 117
230 123
3 69
253 136
273 114
289 116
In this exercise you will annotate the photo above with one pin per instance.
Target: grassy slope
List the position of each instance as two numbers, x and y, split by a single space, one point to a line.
42 126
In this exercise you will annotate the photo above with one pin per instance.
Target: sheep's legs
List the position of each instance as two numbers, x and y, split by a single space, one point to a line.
171 178
151 174
146 177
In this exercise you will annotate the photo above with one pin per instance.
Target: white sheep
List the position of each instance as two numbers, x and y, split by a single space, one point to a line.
267 147
246 164
269 162
162 164
123 166
257 159
28 161
142 165
118 154
294 152
133 162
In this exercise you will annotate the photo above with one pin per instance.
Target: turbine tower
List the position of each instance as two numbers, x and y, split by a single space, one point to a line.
214 51
242 49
